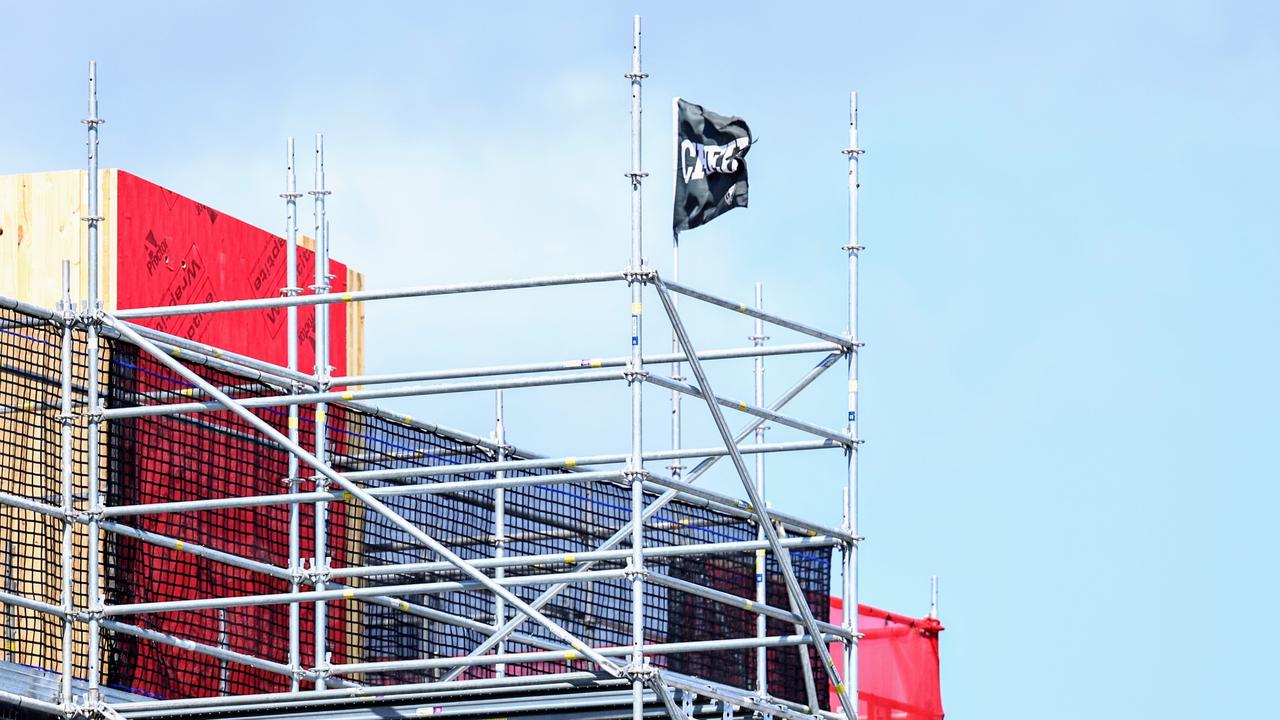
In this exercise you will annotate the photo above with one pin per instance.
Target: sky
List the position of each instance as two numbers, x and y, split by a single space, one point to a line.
1068 296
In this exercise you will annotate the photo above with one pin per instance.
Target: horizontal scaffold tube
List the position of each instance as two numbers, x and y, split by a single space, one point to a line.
572 461
196 647
140 708
767 317
570 558
35 506
726 354
440 488
749 409
363 295
353 593
693 646
197 353
22 601
283 574
588 376
741 603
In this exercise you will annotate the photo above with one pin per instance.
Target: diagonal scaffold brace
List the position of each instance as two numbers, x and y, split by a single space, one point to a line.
757 503
363 496
652 509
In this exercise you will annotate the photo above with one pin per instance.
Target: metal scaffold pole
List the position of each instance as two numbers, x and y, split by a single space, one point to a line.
635 466
851 508
291 289
762 660
676 468
67 419
499 524
93 312
321 287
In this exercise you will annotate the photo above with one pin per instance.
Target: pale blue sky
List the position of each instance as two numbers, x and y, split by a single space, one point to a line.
1069 292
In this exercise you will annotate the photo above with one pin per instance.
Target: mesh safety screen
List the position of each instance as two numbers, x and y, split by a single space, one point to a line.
159 557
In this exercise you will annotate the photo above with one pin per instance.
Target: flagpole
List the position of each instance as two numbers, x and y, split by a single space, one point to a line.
851 494
676 468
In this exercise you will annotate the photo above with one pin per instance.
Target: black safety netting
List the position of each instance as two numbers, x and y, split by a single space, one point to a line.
160 557
31 540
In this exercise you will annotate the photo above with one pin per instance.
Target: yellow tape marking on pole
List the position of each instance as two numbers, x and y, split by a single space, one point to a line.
637 308
571 462
178 545
321 415
597 363
570 559
348 395
742 406
348 594
404 606
293 423
346 297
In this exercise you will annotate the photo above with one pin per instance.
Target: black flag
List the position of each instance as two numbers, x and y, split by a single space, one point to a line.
711 173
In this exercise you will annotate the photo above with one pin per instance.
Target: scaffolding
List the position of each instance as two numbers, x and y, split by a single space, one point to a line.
489 602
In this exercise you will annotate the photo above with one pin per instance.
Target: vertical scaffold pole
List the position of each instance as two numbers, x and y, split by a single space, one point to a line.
321 286
500 525
635 464
93 310
291 289
851 509
933 597
677 470
762 659
67 418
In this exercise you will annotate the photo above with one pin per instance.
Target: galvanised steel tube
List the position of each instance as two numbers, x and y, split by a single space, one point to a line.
372 502
177 545
352 593
653 508
554 703
284 574
142 708
725 354
757 503
363 295
635 465
22 702
234 363
499 523
26 602
320 288
33 506
573 461
196 647
583 557
752 410
757 339
767 317
741 603
441 488
851 492
320 398
67 471
291 289
652 649
93 310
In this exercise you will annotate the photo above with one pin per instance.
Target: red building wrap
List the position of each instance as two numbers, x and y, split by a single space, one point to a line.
174 250
898 674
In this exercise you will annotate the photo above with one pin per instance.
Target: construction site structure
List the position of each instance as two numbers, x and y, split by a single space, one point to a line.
195 524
